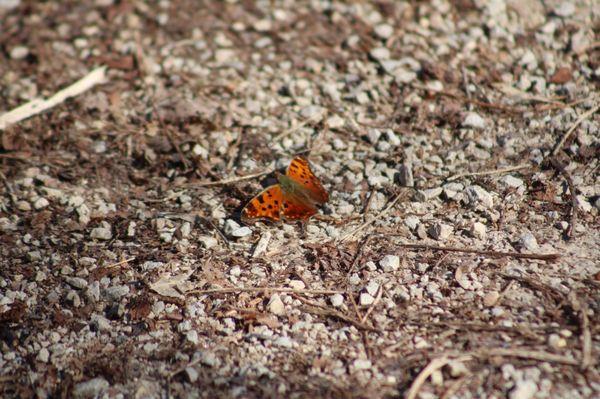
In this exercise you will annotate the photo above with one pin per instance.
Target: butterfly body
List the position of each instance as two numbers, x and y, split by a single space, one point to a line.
297 195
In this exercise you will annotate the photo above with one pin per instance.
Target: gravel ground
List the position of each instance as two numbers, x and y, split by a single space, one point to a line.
457 256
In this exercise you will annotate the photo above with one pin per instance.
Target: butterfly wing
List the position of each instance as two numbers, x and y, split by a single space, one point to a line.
266 205
299 170
293 209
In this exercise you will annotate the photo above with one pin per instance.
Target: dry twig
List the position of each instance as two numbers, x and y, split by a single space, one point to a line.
495 254
39 105
581 118
216 291
489 172
230 180
434 364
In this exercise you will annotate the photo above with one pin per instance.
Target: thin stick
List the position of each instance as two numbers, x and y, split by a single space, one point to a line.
375 302
586 337
38 105
371 221
230 180
321 311
489 172
433 365
216 291
119 263
560 168
495 254
581 118
527 354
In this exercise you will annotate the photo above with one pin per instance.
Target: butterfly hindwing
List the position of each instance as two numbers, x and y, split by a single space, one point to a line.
300 171
266 205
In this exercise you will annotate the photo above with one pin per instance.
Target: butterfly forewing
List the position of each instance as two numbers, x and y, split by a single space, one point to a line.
300 171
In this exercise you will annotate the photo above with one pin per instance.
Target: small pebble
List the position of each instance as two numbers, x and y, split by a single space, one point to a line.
440 231
524 389
478 230
19 52
337 300
474 120
384 31
366 299
405 175
491 298
43 355
528 242
276 305
380 53
390 263
40 203
192 337
90 389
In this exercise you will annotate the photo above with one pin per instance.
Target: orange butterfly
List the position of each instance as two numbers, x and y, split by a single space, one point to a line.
297 196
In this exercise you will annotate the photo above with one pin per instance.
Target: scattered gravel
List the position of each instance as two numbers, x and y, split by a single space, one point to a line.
123 269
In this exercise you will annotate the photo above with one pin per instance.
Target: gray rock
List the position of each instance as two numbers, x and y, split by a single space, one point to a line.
474 120
43 355
440 231
412 222
366 299
428 194
18 52
380 53
192 337
76 282
390 263
285 342
405 175
116 292
511 181
101 233
208 242
337 300
384 31
91 388
565 9
478 195
100 323
276 305
478 230
524 389
40 203
191 374
528 242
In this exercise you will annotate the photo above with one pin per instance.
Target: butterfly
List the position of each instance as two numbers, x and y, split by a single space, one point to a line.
297 196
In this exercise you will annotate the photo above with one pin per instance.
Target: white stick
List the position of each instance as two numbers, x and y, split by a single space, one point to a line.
38 105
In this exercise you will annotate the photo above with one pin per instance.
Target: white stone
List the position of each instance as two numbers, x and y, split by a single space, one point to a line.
477 194
428 194
191 374
511 181
41 203
263 25
335 122
208 242
91 388
565 9
380 53
556 341
524 389
243 231
384 31
390 263
478 230
285 342
362 364
366 299
337 300
314 113
192 337
440 231
412 222
276 305
224 55
43 355
474 120
19 52
101 233
529 242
